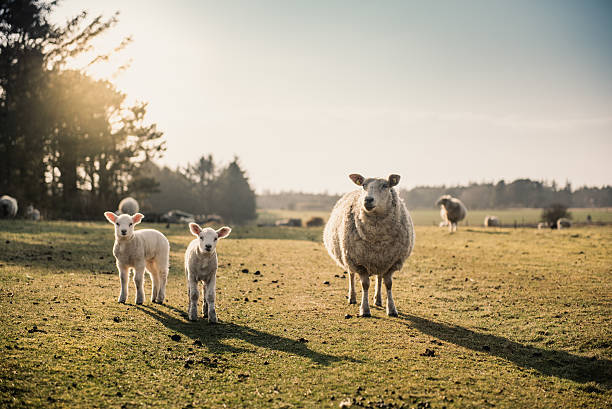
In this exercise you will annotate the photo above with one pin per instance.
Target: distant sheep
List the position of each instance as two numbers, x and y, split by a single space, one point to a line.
129 205
370 232
564 223
201 265
451 210
143 250
315 222
289 222
543 225
491 221
8 207
32 213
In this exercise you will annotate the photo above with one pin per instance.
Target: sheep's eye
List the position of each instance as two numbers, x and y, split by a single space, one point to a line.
384 186
117 224
130 224
216 238
201 238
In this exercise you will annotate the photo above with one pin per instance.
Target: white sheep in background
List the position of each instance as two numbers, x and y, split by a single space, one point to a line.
128 205
563 223
8 207
543 225
452 211
32 213
491 221
370 232
201 265
143 250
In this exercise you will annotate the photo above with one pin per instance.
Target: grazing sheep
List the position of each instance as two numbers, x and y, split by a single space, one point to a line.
370 232
128 205
201 265
563 223
543 225
8 207
451 210
491 221
315 222
143 250
32 213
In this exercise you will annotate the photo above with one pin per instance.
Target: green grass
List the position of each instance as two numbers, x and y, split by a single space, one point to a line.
431 217
516 318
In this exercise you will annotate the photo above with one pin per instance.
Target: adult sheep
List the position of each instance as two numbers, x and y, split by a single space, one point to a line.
491 221
128 205
8 207
370 232
451 210
564 223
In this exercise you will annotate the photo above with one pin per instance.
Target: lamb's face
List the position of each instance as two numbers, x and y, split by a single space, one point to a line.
376 196
208 237
124 224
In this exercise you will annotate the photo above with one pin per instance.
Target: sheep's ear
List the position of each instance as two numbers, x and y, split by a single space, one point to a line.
357 178
393 180
137 218
195 229
223 232
110 216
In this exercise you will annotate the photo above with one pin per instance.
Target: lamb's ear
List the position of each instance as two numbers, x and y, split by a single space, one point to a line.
137 218
195 229
110 216
393 180
224 232
357 178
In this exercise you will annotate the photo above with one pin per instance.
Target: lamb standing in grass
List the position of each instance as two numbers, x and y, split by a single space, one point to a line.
201 265
452 211
370 232
8 207
32 213
140 250
128 205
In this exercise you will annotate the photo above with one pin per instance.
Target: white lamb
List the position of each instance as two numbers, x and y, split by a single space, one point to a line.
140 250
201 265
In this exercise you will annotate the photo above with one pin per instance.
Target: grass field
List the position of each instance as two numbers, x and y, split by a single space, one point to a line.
504 318
431 217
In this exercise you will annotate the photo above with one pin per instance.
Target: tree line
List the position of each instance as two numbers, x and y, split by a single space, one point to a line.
72 145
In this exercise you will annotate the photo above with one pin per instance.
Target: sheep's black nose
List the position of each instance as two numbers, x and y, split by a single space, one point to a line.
369 199
208 247
123 231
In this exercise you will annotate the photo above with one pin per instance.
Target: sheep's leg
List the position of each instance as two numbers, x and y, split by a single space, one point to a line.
391 310
377 292
364 309
124 274
193 300
139 282
210 299
352 295
450 227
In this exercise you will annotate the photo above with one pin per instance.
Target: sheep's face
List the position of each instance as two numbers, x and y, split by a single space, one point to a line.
208 237
443 201
376 196
124 224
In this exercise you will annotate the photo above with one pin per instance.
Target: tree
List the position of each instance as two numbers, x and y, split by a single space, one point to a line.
553 213
234 198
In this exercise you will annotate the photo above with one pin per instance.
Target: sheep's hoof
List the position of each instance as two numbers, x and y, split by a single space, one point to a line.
193 319
365 314
392 314
121 301
352 301
378 303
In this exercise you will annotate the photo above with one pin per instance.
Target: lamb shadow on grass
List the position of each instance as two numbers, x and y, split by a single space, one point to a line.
560 364
212 336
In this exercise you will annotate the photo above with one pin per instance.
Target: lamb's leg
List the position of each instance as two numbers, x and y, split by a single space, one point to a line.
377 291
210 299
204 304
391 310
124 276
139 282
364 309
162 271
193 300
352 295
450 227
152 270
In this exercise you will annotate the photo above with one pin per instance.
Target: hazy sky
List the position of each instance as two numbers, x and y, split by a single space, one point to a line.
441 92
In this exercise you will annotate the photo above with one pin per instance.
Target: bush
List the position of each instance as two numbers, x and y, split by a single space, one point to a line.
554 212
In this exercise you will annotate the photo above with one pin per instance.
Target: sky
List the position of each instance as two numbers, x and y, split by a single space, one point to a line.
307 92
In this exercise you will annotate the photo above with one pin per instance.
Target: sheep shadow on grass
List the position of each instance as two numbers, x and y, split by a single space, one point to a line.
212 336
560 364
